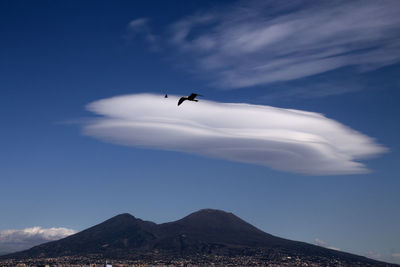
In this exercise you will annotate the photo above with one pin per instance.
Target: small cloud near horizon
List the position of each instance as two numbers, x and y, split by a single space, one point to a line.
396 256
17 240
373 255
282 139
322 243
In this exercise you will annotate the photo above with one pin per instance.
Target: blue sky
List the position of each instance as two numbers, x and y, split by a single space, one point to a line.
337 59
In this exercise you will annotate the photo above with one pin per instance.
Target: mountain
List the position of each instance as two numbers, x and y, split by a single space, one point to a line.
208 230
205 232
120 233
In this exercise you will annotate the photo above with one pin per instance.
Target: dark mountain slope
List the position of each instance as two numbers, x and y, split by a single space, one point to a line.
211 229
223 233
118 233
206 232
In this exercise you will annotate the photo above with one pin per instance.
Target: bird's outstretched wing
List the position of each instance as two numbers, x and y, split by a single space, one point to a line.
193 96
181 100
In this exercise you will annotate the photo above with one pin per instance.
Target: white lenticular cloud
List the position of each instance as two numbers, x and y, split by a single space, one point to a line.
282 139
16 240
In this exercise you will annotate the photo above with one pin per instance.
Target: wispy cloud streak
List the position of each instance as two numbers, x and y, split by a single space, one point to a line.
283 139
259 42
140 27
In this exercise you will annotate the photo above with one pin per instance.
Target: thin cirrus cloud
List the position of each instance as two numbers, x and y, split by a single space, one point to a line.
16 240
252 43
260 42
282 139
140 27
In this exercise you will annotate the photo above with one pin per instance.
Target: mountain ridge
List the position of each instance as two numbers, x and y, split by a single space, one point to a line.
204 232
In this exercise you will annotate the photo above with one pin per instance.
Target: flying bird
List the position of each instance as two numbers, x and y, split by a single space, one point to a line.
191 98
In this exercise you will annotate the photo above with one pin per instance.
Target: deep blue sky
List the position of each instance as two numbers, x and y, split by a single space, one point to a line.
58 56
